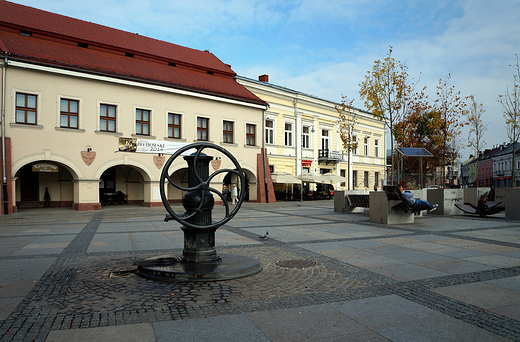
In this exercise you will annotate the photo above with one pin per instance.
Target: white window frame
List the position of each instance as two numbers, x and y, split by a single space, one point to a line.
288 134
355 139
376 148
325 139
306 138
269 132
366 145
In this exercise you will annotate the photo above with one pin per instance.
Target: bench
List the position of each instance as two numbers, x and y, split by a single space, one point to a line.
390 207
356 201
394 193
492 208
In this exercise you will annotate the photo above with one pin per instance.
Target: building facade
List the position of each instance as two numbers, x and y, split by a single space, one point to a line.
504 167
301 135
72 89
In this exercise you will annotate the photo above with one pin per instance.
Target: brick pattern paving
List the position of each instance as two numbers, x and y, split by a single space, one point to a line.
101 289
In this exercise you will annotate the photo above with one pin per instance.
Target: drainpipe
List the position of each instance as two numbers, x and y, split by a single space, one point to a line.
4 181
263 160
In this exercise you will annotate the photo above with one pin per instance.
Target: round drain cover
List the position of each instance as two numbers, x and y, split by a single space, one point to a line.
295 263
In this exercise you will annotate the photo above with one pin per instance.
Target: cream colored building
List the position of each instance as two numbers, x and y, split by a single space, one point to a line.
301 135
72 89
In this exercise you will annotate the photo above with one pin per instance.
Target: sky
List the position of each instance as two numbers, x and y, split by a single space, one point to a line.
326 47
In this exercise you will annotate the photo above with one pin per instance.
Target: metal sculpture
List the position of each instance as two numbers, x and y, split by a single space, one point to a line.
199 260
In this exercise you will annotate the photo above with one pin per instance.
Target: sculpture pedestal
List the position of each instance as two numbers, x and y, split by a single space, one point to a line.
168 268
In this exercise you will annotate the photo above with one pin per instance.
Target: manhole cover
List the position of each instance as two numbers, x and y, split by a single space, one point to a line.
295 263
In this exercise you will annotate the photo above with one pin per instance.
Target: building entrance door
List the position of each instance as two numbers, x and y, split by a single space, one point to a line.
29 184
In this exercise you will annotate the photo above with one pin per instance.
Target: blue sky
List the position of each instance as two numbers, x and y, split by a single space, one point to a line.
325 47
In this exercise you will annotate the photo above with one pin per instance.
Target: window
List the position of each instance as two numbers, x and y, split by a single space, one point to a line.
228 132
324 139
288 134
26 108
107 118
269 131
69 113
142 122
305 137
174 125
376 147
202 129
250 135
376 180
365 143
354 140
354 179
365 180
342 174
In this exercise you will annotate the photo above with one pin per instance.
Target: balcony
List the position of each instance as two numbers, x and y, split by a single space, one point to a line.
330 156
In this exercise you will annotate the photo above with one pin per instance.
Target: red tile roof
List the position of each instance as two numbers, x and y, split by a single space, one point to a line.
55 41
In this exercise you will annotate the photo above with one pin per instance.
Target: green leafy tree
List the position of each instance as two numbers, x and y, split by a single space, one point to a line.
384 94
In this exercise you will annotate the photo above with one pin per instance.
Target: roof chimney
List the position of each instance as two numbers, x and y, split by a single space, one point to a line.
263 78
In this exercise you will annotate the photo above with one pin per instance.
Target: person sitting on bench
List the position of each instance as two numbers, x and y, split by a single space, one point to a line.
482 206
407 195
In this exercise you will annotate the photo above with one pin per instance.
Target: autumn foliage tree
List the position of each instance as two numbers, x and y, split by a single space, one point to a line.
384 93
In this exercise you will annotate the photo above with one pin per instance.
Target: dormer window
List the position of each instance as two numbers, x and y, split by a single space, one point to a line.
26 33
128 54
210 72
83 45
172 64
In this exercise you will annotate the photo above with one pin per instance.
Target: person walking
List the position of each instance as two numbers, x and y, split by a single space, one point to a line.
234 194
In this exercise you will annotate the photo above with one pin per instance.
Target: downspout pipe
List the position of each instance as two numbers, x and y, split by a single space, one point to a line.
263 159
4 159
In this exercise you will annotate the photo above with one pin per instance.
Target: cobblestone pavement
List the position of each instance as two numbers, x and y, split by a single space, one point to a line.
62 270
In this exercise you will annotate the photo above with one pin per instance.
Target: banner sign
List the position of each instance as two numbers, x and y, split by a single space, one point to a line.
151 146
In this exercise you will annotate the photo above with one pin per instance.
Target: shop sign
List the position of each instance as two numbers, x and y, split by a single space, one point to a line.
306 163
45 167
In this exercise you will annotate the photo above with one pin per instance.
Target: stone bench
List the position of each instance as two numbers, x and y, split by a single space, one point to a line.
390 207
351 201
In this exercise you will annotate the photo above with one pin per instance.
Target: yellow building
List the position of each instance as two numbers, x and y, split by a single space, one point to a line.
301 136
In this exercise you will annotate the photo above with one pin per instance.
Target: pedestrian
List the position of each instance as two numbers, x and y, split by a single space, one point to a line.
225 194
416 201
234 194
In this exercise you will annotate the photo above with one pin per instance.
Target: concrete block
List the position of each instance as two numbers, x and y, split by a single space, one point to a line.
512 204
340 201
446 199
386 211
500 195
472 195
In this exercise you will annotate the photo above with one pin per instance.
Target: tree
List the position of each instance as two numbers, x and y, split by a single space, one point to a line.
510 102
476 127
347 122
511 106
451 107
384 93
